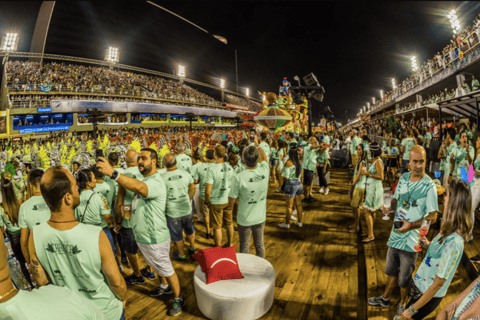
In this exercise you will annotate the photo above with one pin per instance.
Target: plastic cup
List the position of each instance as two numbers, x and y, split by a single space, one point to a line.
127 212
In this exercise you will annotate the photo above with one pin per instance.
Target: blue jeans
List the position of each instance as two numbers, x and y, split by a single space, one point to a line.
123 315
442 174
110 238
404 163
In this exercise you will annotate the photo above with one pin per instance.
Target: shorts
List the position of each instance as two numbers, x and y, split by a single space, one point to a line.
293 188
273 162
158 257
392 163
402 264
308 176
177 225
128 240
110 238
16 247
221 215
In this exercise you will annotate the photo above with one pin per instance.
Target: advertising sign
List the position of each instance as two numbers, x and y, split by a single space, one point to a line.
39 110
4 124
44 129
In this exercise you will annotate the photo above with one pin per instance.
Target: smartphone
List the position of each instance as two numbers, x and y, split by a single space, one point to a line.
398 224
98 153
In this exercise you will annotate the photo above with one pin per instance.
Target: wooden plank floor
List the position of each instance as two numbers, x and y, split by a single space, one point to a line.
317 266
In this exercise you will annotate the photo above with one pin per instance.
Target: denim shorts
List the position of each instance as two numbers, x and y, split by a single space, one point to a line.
293 188
402 264
177 225
128 240
110 238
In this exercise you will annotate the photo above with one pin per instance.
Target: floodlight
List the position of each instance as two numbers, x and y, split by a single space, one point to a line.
368 105
381 94
311 80
181 71
111 54
373 100
10 42
247 91
222 83
454 21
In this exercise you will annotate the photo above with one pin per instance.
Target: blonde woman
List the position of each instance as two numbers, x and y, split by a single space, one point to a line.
444 253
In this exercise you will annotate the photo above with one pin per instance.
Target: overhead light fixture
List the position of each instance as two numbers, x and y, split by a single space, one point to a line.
181 71
111 55
10 42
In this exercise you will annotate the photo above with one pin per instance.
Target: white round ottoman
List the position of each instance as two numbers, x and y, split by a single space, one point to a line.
247 298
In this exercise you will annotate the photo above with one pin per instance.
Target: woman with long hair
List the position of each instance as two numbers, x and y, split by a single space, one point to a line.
9 209
358 185
292 172
282 152
444 253
373 189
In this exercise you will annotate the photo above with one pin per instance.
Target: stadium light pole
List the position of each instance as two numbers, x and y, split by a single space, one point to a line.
454 21
9 44
112 56
222 86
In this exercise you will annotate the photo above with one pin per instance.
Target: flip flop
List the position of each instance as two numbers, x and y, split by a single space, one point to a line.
368 240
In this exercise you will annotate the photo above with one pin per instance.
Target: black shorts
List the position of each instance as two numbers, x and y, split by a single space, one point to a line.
128 240
308 177
16 247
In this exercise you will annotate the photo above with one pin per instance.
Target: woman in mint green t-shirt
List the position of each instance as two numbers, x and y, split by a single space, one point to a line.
443 256
292 172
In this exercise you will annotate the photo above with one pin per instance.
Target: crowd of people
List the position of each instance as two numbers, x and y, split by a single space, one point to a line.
62 77
458 46
252 105
166 179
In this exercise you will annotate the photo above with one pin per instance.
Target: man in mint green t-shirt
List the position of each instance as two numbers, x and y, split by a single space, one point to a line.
415 200
264 145
148 218
180 191
46 303
217 188
184 162
406 145
250 187
309 165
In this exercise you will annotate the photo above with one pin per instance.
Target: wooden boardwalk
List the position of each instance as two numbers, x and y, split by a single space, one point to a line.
322 271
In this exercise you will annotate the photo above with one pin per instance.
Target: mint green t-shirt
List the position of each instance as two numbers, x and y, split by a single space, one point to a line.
353 145
49 303
5 222
273 153
445 162
93 206
178 201
266 148
323 157
131 172
107 190
461 160
200 175
441 260
148 214
290 173
251 187
220 176
33 212
418 199
309 158
184 162
72 259
408 143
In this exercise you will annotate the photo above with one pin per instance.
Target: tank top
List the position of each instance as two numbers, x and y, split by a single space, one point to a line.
72 259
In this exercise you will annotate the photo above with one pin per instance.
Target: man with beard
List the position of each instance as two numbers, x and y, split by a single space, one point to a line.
72 254
148 218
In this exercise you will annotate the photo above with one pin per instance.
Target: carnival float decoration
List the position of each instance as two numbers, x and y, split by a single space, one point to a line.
281 113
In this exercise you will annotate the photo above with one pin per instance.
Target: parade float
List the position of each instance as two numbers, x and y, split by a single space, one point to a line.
280 113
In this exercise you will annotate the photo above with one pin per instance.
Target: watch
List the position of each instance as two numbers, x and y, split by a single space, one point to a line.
115 175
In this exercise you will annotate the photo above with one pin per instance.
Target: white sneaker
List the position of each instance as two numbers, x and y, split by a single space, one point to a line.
326 191
298 224
294 212
284 226
278 191
293 218
321 190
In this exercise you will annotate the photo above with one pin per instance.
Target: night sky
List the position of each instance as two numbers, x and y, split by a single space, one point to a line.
354 48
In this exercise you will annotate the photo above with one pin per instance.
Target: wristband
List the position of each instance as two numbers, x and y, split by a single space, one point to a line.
411 310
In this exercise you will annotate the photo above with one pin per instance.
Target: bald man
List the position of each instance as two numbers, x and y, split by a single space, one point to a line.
72 254
45 303
415 200
180 192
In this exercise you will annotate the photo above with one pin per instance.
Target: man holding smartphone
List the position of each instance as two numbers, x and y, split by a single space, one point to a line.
415 199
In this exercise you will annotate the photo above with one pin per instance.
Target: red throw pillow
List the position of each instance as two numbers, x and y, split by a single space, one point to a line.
200 256
222 265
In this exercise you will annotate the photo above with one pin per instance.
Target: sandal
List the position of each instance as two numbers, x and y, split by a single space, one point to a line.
368 240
